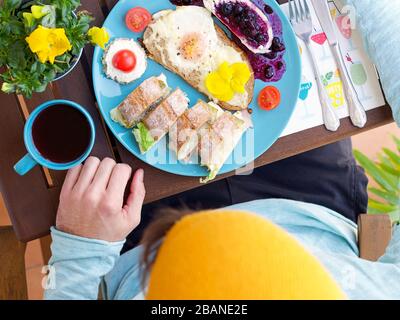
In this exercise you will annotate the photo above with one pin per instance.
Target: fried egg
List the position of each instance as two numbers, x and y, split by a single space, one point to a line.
188 42
135 52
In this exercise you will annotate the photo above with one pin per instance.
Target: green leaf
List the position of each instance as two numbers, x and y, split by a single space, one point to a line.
382 207
393 157
15 27
389 169
50 75
143 137
386 181
41 67
397 141
28 4
76 30
41 87
49 20
392 198
12 4
373 211
385 160
329 76
64 7
17 58
57 69
34 66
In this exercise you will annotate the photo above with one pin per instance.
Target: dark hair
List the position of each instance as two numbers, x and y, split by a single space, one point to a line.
153 235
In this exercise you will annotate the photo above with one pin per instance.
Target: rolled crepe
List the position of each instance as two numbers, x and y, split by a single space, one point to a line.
217 141
145 97
184 134
159 121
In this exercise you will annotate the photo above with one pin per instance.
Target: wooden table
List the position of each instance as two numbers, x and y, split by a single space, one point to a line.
32 200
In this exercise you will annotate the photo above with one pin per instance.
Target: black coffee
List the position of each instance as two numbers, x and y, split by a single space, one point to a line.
61 133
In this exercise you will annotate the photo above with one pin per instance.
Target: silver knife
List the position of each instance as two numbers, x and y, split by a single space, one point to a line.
357 113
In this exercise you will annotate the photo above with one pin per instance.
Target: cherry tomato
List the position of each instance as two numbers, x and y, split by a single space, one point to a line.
124 60
137 19
269 98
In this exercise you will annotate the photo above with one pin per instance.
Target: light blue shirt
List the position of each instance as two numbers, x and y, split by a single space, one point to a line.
78 264
379 24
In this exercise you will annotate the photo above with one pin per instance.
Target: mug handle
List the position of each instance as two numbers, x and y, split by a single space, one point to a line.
25 164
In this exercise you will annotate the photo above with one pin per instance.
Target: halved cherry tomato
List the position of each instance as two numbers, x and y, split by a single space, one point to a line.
137 19
124 60
269 98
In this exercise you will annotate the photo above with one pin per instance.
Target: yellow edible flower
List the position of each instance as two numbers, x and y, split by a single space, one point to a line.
29 18
228 80
37 12
48 43
98 36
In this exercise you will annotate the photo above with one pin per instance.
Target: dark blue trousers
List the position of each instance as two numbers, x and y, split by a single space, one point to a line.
327 176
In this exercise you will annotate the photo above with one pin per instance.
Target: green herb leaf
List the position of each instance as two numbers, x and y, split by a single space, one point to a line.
143 137
12 4
65 7
49 20
41 87
15 26
17 59
76 30
49 75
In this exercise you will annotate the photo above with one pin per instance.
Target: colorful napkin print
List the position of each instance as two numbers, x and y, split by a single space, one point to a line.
308 112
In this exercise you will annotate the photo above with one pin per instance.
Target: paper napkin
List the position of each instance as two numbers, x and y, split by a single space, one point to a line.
307 113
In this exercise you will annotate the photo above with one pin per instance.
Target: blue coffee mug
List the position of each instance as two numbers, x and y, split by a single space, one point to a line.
33 157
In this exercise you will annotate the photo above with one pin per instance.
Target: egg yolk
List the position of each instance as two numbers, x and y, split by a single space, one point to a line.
228 80
191 47
124 60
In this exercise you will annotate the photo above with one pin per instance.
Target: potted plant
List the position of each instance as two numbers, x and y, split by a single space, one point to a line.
42 41
386 173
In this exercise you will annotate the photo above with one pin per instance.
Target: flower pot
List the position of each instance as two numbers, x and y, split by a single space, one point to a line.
72 65
74 61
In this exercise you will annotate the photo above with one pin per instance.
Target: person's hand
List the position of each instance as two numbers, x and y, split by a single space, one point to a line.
92 200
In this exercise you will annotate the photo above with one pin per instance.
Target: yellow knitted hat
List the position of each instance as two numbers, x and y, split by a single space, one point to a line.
236 255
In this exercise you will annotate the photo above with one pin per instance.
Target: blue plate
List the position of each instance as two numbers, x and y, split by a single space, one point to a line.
267 125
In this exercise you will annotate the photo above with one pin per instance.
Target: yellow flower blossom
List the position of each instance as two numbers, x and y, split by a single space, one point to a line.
98 36
37 12
28 18
48 43
228 80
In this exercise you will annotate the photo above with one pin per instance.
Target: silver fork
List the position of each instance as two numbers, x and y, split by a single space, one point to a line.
300 19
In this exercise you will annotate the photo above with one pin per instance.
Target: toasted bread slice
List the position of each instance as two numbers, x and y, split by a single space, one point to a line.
155 54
